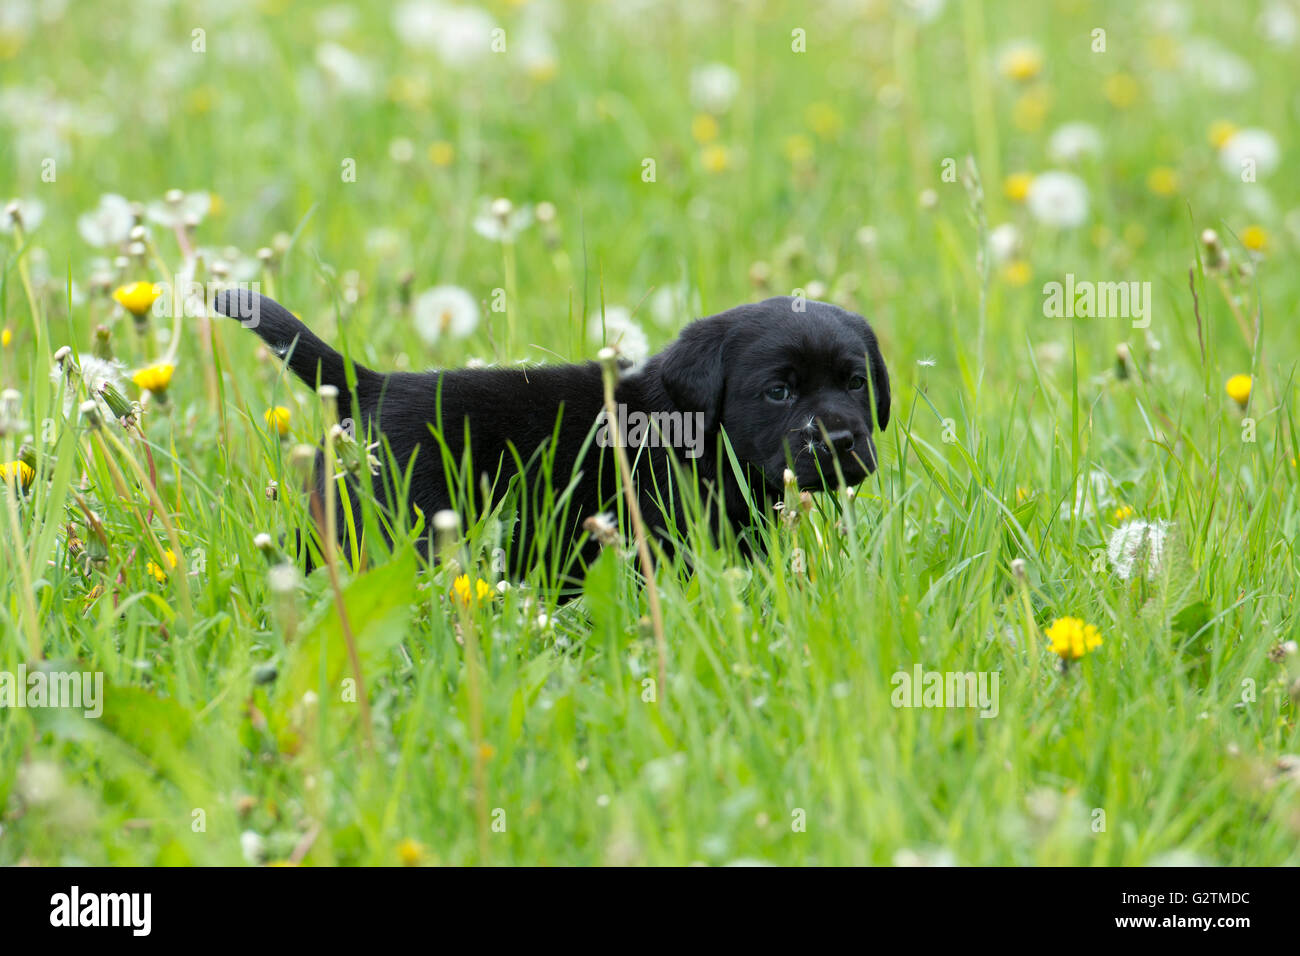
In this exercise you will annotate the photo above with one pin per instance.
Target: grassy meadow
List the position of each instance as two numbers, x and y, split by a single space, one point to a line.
1098 505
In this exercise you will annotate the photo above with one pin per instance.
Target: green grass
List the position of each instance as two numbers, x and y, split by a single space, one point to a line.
513 731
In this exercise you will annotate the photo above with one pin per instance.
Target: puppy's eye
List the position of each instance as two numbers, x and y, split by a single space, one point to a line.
857 383
778 393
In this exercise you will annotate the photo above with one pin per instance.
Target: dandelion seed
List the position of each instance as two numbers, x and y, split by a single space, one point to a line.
501 221
1254 145
27 214
927 362
1071 638
459 36
1074 141
622 332
178 210
1058 199
1137 547
1004 242
445 310
109 224
714 87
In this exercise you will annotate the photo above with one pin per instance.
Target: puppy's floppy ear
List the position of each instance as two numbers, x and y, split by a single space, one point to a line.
691 369
879 377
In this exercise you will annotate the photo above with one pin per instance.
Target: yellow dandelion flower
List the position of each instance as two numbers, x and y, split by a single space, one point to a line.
155 378
715 159
1022 494
6 338
24 473
216 205
1255 238
466 593
1238 389
704 128
1017 272
410 852
798 149
137 298
1021 62
823 119
1030 110
1120 89
1123 513
1162 181
277 420
159 574
1220 132
487 751
1016 186
1071 638
442 153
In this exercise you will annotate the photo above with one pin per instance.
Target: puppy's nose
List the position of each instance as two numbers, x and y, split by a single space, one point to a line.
841 440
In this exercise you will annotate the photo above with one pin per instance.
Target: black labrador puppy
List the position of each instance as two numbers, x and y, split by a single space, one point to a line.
789 381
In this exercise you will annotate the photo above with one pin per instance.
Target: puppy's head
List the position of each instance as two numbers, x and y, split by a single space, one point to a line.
792 382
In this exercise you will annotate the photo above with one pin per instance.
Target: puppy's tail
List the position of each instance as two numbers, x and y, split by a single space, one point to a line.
307 356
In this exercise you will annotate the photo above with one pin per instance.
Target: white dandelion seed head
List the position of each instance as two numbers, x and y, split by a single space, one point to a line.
501 221
1073 142
109 223
179 209
347 72
1058 199
1279 24
1136 547
445 310
1004 242
622 332
1257 145
29 212
459 36
714 87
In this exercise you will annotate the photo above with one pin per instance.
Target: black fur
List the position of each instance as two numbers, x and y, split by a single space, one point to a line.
731 368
